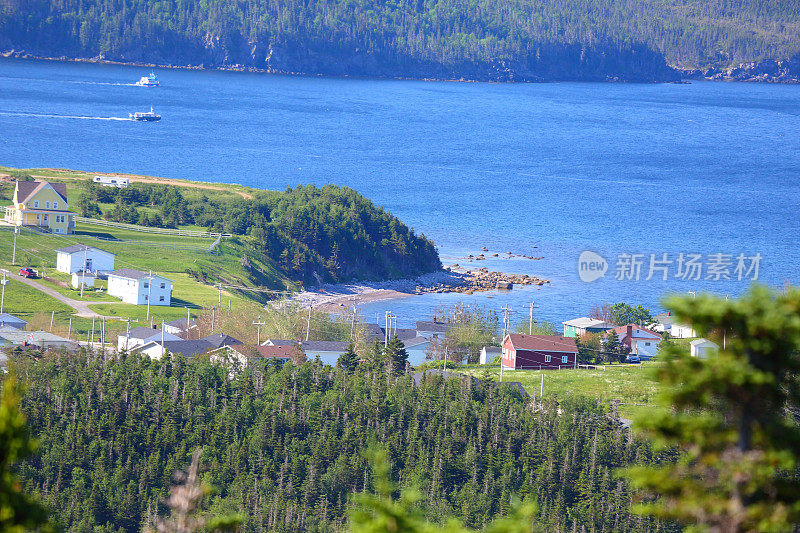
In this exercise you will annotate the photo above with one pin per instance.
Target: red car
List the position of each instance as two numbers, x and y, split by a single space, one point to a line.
27 272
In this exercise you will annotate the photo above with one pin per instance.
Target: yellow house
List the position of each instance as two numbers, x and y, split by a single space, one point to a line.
41 204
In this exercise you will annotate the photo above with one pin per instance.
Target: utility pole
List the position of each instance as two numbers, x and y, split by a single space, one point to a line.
103 336
53 316
219 299
530 318
259 324
14 253
541 389
92 330
149 286
390 330
127 329
69 331
3 297
213 316
308 324
506 324
83 270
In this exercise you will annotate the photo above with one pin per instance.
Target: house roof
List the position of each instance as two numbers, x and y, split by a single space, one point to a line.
493 349
586 322
279 352
323 346
181 347
432 325
33 337
144 333
703 342
622 331
219 340
75 248
130 273
26 189
180 323
6 318
279 342
544 343
415 341
374 331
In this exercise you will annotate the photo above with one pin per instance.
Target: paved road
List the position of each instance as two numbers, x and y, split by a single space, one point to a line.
81 309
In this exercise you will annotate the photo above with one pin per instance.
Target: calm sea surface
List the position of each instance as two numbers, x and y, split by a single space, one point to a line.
537 169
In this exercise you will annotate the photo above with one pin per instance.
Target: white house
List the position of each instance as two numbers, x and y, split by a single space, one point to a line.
328 351
10 338
155 349
663 322
682 331
181 327
417 349
431 329
137 287
86 279
112 181
12 321
702 348
81 257
489 353
141 336
640 340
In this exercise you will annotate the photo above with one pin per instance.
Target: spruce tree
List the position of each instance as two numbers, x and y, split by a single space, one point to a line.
348 361
396 354
733 416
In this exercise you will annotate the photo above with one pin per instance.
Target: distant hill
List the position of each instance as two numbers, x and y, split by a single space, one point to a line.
514 40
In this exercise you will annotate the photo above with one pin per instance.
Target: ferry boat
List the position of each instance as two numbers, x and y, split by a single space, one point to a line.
148 81
147 116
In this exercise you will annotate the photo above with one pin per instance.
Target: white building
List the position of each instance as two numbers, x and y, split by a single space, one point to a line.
489 353
137 287
10 338
682 331
86 279
702 348
141 336
81 257
111 181
181 327
417 349
328 351
641 341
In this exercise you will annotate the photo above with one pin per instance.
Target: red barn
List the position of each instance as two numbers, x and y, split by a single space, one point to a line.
535 352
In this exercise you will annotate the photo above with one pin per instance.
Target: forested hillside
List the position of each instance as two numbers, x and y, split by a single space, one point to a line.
475 39
313 234
285 445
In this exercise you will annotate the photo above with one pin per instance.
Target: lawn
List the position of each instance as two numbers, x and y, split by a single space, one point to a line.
632 385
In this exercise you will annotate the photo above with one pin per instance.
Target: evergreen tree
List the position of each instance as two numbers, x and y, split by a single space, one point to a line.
348 361
733 416
396 355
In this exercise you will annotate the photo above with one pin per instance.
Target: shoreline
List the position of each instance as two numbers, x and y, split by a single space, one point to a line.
731 73
337 296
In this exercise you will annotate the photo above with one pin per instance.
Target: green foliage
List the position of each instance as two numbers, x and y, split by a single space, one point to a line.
588 39
348 361
537 328
18 512
396 354
471 328
623 314
285 445
734 417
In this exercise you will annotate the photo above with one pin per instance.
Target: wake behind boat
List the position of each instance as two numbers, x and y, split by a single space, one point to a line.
147 116
148 81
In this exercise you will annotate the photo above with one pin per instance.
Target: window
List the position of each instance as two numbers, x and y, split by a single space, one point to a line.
47 205
647 344
55 205
36 203
163 285
146 285
146 297
547 358
160 298
564 359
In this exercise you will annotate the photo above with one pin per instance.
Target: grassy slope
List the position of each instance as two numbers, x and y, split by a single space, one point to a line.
630 384
163 254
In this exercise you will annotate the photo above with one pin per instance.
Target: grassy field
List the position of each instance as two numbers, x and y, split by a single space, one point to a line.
632 385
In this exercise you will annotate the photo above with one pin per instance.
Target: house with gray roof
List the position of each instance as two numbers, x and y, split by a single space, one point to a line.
432 328
80 257
141 336
12 321
156 349
139 287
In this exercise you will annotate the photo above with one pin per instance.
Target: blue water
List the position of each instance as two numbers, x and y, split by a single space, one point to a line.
537 169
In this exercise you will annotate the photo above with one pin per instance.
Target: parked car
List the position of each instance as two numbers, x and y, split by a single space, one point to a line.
27 272
635 359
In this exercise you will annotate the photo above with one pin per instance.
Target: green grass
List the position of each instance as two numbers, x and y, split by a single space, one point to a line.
632 385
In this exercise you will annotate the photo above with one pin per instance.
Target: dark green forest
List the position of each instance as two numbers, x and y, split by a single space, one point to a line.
285 445
474 39
312 234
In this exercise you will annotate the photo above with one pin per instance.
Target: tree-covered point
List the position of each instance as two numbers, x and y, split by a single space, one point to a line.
496 39
313 234
285 445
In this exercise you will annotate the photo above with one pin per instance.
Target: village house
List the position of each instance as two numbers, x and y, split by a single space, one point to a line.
141 336
181 327
11 338
239 356
536 352
702 348
417 349
155 349
639 340
42 205
137 287
488 354
581 326
12 322
80 257
111 181
431 329
682 331
87 279
328 351
663 322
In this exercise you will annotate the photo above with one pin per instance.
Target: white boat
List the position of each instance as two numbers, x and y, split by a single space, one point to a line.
148 81
147 116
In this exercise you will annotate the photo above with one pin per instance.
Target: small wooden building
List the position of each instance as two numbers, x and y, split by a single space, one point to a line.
539 352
